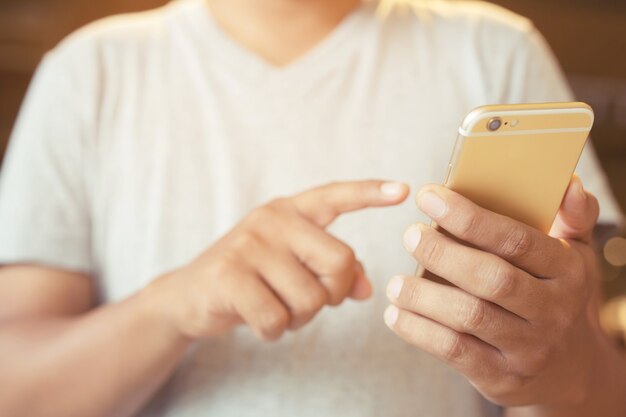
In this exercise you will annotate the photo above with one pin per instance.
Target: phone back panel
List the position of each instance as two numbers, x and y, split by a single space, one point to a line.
523 171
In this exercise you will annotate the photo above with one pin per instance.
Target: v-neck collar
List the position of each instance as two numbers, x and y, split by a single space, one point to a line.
317 60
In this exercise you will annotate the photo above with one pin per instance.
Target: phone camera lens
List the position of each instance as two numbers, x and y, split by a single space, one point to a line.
494 124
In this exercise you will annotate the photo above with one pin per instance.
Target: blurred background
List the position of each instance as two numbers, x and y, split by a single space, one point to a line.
588 37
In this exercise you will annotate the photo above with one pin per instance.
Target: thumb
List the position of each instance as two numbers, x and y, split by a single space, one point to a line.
577 215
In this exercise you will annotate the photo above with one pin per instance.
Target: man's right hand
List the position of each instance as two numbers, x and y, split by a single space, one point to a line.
276 269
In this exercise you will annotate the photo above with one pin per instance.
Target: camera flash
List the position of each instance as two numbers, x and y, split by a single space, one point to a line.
514 123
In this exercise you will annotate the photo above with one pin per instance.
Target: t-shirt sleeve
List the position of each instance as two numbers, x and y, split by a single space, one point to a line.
44 216
537 77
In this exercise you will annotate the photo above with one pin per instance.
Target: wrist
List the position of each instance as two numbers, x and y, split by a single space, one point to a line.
157 302
596 391
593 364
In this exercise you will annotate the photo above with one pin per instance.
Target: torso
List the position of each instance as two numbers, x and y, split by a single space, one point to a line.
197 132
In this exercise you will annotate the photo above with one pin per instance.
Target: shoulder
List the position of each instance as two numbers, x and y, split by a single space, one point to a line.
470 17
110 54
470 25
481 48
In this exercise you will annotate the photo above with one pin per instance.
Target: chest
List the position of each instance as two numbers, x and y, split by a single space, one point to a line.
173 177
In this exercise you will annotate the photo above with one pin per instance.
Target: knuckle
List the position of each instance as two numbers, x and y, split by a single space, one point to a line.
468 224
312 302
336 292
221 266
260 214
432 251
414 295
278 205
268 213
246 240
516 243
577 275
273 322
500 280
343 257
473 315
453 347
510 385
539 358
571 264
326 198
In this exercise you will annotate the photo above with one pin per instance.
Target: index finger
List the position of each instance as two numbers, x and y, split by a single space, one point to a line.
514 241
324 204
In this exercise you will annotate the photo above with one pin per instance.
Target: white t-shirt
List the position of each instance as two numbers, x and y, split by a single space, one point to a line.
146 137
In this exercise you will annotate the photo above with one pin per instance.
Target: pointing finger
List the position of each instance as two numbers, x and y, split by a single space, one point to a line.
324 204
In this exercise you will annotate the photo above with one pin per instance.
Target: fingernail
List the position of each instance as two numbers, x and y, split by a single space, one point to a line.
395 287
578 186
391 315
412 237
392 189
431 204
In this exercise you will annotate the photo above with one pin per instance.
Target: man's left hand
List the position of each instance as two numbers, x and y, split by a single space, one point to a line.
519 321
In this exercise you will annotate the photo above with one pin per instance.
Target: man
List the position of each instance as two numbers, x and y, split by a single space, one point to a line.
161 211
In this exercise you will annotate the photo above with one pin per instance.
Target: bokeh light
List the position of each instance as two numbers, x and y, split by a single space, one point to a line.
615 251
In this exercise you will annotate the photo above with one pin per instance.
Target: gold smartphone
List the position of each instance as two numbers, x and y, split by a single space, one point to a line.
517 160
